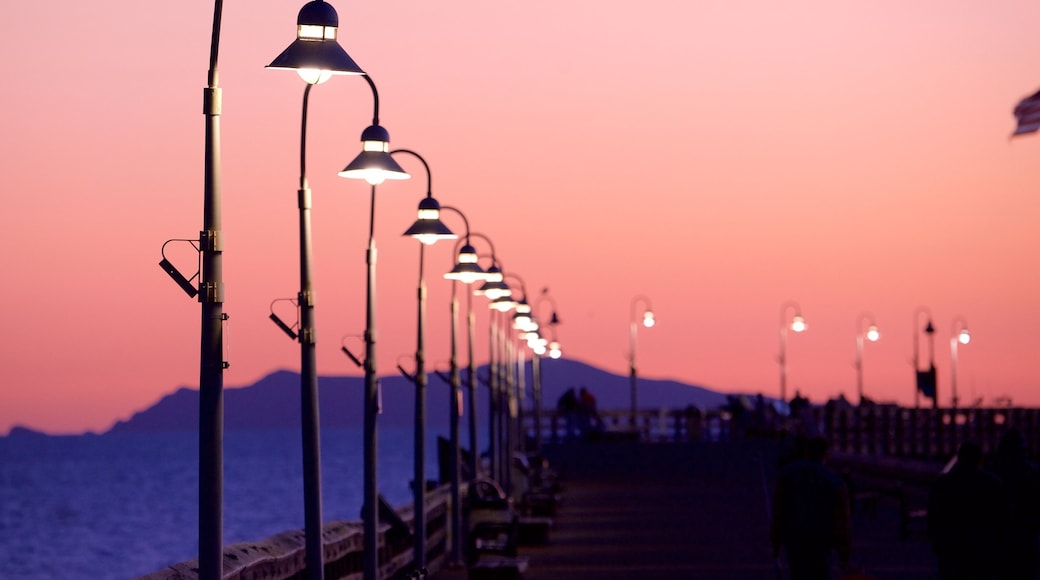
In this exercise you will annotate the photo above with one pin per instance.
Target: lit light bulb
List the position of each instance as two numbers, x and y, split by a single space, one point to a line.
873 334
798 324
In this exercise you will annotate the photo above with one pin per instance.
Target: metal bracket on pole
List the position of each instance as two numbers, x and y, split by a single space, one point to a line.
175 274
290 331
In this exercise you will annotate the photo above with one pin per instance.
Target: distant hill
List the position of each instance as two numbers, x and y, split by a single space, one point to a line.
273 402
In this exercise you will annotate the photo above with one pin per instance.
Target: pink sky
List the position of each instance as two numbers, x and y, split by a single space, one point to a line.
720 158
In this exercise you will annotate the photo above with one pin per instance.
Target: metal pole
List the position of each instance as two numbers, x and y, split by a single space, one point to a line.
309 375
508 405
492 395
212 364
536 377
471 380
453 415
370 508
419 483
953 372
632 373
783 361
859 366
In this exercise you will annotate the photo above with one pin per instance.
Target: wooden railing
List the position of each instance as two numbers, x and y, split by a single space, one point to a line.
873 430
283 556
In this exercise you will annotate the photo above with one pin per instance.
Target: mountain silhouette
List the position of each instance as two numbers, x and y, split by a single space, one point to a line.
273 402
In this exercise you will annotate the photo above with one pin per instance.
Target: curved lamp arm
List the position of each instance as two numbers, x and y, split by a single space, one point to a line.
429 177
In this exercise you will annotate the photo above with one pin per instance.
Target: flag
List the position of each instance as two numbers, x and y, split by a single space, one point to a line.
1027 114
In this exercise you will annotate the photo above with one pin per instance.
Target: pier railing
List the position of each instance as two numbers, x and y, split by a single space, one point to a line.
869 430
283 556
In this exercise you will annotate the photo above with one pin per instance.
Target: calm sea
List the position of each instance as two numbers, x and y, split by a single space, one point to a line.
120 506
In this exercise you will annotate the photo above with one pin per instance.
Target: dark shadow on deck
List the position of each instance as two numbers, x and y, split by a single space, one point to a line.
687 510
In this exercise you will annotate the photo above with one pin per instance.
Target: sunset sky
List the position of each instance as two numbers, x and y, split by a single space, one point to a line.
719 157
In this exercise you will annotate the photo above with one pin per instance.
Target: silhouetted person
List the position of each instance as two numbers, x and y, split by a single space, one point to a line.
1021 480
811 515
568 407
966 518
587 412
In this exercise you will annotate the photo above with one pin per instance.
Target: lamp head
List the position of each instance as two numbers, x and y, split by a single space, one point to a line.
521 320
374 164
493 290
648 319
798 324
554 350
964 337
494 273
873 334
316 54
466 269
429 228
502 303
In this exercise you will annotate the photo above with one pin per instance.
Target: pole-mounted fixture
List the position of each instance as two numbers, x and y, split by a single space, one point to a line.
173 272
316 54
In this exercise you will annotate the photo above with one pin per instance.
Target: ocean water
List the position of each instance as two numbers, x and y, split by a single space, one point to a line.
120 506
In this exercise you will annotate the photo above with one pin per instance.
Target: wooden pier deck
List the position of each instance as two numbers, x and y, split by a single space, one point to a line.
688 510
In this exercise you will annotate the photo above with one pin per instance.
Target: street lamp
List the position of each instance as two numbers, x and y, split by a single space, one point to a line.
536 370
797 324
872 334
466 270
493 283
648 321
374 165
960 335
316 56
428 229
925 380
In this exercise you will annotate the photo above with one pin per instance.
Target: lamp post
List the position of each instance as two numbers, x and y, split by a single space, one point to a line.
872 334
493 287
316 56
536 370
633 336
428 229
925 380
374 165
499 295
960 335
797 324
509 383
466 270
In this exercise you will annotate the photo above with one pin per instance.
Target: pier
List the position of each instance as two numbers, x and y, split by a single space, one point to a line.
676 494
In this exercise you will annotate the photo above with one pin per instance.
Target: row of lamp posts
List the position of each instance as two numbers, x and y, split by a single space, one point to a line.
317 56
791 319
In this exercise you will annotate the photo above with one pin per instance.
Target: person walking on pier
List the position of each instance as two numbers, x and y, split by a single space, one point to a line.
811 515
967 518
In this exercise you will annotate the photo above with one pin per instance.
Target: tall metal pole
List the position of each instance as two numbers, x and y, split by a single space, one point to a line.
784 324
647 320
308 374
492 395
454 400
536 378
783 361
507 389
859 365
419 483
371 502
632 380
471 383
212 364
